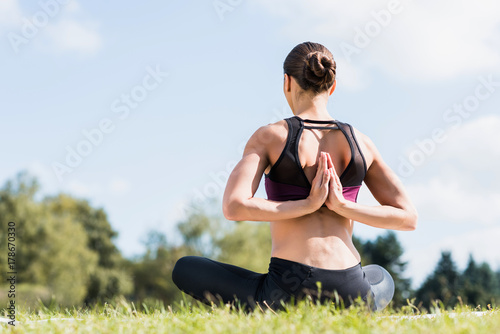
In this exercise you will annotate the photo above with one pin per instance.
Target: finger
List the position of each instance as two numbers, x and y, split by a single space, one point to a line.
326 177
336 176
320 164
319 172
326 174
334 170
337 180
325 161
322 161
329 160
332 178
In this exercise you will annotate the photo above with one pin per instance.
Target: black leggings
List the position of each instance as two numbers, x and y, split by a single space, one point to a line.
208 280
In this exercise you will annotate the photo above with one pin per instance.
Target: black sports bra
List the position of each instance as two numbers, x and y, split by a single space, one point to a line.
287 181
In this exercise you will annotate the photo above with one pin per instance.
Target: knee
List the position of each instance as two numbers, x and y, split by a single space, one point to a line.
382 285
182 269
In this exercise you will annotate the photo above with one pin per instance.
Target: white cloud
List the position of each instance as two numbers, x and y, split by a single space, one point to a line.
116 186
439 200
349 76
441 40
482 244
461 184
119 186
84 189
52 27
72 35
427 40
474 144
73 7
45 176
10 14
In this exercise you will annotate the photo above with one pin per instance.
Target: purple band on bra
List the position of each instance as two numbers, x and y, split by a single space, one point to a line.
277 191
351 193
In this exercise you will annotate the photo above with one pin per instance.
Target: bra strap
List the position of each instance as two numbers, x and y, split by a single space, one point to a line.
321 127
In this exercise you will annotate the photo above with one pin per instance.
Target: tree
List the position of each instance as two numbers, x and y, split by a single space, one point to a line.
64 246
51 251
108 278
153 271
442 284
200 229
246 244
478 285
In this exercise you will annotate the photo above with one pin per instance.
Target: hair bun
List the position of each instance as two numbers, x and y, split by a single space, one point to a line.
319 69
312 65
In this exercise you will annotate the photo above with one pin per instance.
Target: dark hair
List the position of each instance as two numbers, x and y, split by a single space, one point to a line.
312 65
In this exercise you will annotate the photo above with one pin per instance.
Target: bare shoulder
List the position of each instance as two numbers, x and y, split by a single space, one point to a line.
268 136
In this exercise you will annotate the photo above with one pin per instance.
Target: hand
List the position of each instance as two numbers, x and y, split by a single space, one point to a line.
320 184
335 197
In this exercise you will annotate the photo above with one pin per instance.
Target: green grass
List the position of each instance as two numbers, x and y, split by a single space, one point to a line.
306 317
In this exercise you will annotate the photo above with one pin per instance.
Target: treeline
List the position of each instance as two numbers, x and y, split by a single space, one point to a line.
64 248
477 285
65 255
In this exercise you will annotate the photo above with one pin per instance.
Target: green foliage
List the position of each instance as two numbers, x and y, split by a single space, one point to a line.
476 285
105 284
63 260
62 244
51 250
95 222
442 284
248 245
200 230
153 271
107 278
17 205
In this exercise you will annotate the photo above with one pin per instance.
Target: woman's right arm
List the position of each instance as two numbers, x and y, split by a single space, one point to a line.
239 202
395 212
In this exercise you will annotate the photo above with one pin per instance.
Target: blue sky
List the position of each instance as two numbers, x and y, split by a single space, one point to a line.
170 91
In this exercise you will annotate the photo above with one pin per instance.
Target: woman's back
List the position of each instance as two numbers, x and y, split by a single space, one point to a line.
323 238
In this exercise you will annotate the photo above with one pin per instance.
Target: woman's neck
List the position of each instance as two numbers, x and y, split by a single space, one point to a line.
311 109
318 114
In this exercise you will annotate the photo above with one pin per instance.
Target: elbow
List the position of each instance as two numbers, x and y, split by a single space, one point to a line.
412 220
232 210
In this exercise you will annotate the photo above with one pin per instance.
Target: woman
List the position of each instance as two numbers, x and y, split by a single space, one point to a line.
314 166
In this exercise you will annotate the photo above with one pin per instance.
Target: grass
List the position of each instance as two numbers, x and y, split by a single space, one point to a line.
306 317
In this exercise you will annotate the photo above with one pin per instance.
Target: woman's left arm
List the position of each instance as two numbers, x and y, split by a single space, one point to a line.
396 211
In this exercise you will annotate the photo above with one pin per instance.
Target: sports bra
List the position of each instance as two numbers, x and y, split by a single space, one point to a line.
287 181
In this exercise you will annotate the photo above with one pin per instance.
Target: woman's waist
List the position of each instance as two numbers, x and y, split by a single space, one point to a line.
280 264
329 252
336 258
316 227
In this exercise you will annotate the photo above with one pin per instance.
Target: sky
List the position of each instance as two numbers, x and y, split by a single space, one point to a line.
144 107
